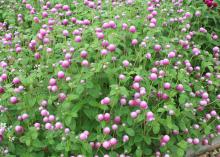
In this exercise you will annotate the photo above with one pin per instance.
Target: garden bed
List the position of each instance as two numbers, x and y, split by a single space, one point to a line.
94 78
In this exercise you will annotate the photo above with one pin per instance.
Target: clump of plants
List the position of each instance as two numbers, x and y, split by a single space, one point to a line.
108 78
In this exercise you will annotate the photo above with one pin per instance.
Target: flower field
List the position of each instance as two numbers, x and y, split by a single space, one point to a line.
108 78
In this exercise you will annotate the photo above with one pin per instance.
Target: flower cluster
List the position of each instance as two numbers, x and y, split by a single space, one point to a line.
211 3
109 78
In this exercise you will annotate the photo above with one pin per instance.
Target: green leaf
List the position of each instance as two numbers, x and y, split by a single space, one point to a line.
147 151
124 91
156 127
33 133
129 121
113 154
60 146
206 64
207 129
38 144
77 107
138 153
183 98
182 124
189 114
180 152
169 122
183 144
86 148
138 138
72 97
26 140
80 89
130 131
147 139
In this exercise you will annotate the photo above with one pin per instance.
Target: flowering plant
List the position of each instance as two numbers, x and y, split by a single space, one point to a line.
108 78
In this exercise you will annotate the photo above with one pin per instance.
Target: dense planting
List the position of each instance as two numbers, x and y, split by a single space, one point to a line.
101 78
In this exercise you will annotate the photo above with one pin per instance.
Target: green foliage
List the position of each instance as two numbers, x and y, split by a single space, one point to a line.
87 86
